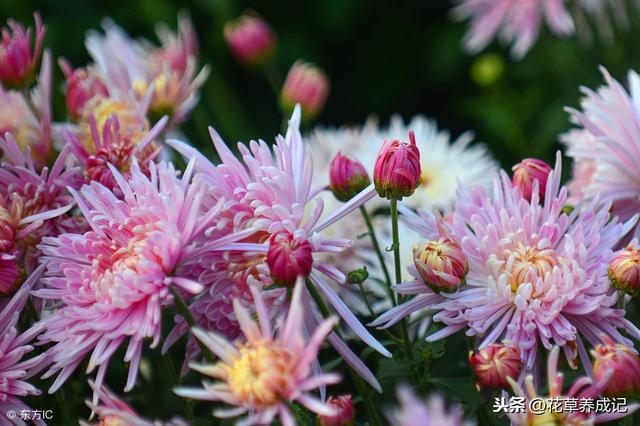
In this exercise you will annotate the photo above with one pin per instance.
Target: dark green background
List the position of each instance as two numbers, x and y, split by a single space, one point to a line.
382 57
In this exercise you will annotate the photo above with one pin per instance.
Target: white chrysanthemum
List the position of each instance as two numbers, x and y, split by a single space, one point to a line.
445 164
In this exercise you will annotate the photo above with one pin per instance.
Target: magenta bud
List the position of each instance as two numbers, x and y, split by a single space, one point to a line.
251 39
347 177
526 172
397 171
289 258
306 85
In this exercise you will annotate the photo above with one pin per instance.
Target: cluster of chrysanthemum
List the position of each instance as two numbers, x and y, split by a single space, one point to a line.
108 239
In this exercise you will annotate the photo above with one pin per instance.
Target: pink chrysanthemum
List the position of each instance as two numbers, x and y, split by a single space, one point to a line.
18 60
270 195
582 389
13 347
413 411
266 372
112 282
114 147
30 124
163 78
33 202
536 275
112 411
606 147
514 21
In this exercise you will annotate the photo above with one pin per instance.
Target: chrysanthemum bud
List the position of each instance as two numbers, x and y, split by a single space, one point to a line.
82 86
347 177
358 276
528 171
441 264
624 270
625 380
396 173
250 39
343 405
494 363
9 276
18 61
306 85
288 258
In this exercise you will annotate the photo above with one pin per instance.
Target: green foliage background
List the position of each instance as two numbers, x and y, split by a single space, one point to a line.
383 58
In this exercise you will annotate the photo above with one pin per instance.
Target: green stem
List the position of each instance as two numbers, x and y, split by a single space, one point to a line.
396 257
62 403
376 246
621 301
184 311
362 390
366 300
175 381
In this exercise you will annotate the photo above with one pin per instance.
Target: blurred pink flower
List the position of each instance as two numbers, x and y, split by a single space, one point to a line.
262 375
111 283
516 22
582 388
163 79
251 39
82 85
27 116
266 193
307 85
18 60
536 274
112 411
414 411
606 146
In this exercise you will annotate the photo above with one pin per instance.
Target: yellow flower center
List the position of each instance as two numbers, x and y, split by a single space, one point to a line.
260 375
112 421
525 263
132 125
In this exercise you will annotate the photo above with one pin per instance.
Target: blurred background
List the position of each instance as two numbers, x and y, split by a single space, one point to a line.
382 58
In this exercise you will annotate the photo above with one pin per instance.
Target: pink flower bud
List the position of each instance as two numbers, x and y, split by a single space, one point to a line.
528 171
344 412
494 363
624 270
396 173
18 61
306 85
288 258
441 264
9 275
347 177
250 39
82 86
625 364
